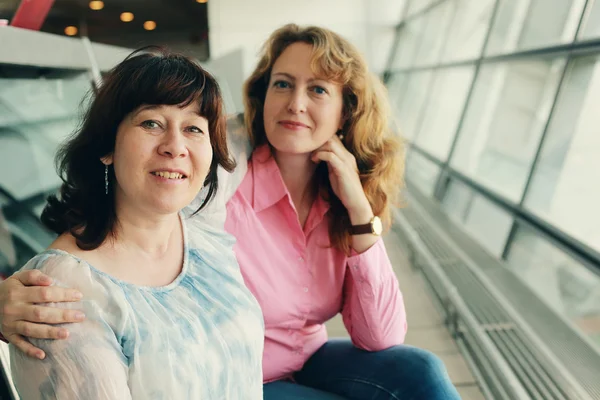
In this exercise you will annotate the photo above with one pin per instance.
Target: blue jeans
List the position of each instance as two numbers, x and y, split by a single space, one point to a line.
339 371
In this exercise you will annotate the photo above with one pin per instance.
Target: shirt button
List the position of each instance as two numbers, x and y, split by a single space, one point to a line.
305 290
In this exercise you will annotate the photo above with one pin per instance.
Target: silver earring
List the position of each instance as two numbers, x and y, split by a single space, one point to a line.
340 135
106 179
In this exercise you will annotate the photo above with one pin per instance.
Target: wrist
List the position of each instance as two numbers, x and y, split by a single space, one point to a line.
361 215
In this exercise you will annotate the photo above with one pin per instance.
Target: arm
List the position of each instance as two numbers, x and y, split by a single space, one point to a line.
373 309
87 365
21 317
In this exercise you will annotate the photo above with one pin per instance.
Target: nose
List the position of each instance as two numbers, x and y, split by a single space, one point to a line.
297 102
173 144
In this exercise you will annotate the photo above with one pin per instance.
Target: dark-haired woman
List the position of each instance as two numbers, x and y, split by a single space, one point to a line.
167 315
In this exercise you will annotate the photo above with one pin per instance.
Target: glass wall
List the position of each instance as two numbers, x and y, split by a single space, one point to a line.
504 97
36 115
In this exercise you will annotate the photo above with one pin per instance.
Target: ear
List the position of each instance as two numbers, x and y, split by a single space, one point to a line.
107 160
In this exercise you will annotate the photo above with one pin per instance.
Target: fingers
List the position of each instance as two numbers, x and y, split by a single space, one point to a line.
336 146
54 294
43 294
33 278
39 331
52 315
26 347
331 159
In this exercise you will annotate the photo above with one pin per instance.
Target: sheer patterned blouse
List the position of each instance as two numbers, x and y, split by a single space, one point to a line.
200 337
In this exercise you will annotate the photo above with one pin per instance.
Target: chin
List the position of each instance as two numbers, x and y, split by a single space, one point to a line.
293 146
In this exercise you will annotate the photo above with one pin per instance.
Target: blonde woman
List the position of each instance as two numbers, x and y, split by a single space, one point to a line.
308 215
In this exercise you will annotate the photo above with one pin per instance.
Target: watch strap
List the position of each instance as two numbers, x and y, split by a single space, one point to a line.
361 229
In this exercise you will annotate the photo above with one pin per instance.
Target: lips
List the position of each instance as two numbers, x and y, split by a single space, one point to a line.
293 124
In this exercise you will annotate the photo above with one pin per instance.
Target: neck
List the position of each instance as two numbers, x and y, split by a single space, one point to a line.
147 233
298 172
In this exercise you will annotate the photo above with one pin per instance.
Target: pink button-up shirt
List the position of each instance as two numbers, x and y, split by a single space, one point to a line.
300 281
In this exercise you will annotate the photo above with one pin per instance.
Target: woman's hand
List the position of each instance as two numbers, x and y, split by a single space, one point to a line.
345 182
21 317
345 179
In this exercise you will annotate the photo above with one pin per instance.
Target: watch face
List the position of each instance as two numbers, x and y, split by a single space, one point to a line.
377 226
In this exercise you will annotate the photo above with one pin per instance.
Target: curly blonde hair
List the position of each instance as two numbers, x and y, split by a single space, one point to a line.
366 115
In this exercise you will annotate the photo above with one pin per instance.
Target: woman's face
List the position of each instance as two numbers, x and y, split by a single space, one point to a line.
162 156
302 111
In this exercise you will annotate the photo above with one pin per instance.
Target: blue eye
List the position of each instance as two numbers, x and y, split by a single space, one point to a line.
281 84
319 90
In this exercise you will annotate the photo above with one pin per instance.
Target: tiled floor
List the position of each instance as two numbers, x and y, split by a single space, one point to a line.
425 326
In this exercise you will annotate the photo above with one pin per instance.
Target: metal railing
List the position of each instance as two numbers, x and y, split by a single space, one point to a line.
515 362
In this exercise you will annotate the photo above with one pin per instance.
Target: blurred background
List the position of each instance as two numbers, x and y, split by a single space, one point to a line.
498 244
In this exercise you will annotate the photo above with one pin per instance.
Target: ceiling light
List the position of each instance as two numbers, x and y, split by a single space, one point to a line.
202 1
71 31
149 25
96 5
127 17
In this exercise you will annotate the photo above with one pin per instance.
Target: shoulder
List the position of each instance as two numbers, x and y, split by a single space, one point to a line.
205 236
70 271
55 263
104 302
66 270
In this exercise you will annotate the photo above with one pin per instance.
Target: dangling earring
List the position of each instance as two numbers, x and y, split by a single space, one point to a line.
106 179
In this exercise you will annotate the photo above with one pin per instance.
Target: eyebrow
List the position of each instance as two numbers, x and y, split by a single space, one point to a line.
143 108
157 106
293 78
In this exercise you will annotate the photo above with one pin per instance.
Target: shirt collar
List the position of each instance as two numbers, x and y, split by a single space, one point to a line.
318 211
269 187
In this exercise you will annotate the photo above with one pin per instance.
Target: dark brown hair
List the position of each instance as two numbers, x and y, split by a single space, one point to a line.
148 76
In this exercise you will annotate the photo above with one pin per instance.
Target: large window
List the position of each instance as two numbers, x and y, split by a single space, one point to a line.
435 34
418 6
521 125
425 172
481 218
408 42
411 100
565 185
443 110
501 104
36 115
504 122
468 29
591 28
557 278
